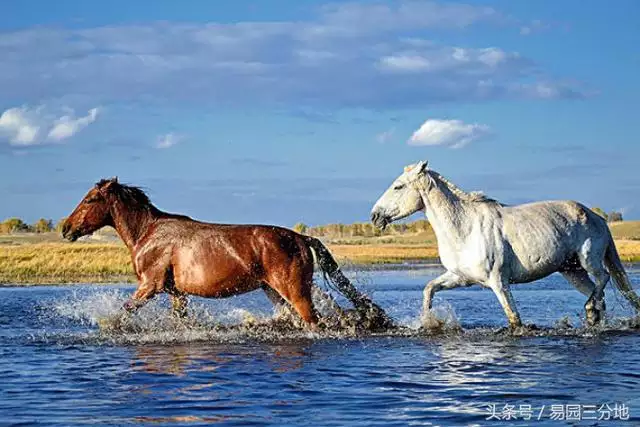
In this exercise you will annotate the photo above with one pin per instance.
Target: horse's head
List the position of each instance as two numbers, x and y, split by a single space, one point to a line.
402 198
92 213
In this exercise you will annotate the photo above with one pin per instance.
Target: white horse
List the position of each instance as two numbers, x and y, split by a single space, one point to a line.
481 241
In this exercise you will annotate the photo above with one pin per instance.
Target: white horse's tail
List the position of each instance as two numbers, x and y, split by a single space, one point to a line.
619 276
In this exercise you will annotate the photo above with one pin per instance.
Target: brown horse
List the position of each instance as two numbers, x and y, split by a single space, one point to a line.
180 256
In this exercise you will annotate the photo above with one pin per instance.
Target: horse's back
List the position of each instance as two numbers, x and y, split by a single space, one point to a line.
542 236
218 260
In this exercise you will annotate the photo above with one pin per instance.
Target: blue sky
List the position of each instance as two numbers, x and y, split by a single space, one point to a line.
286 111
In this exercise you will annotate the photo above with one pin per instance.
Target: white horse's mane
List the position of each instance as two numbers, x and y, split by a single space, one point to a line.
471 196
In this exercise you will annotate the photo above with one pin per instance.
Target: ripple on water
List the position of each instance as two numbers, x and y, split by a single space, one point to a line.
65 363
96 317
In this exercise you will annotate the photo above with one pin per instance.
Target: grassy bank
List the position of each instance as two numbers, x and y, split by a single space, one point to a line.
64 263
45 258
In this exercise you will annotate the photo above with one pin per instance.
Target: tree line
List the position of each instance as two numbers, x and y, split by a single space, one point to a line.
612 216
366 229
17 225
358 229
362 229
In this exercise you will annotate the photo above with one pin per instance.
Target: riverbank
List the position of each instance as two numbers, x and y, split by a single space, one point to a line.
46 259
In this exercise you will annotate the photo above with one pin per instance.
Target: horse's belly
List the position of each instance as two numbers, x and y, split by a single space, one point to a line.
221 282
219 289
530 270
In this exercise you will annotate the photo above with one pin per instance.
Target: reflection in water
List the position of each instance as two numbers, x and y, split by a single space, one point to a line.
180 360
58 366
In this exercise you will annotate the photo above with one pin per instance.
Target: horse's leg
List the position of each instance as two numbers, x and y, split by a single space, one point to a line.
595 306
151 283
447 280
300 299
140 297
581 280
273 296
279 303
502 291
298 294
179 305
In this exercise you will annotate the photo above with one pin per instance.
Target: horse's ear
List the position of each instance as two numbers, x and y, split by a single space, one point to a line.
417 168
422 166
105 184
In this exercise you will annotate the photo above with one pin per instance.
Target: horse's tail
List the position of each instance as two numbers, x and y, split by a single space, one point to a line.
620 278
339 282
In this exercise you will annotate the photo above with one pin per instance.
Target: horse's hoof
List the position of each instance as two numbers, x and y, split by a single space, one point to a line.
594 318
431 322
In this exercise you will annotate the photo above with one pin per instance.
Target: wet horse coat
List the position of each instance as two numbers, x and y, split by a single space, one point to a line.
180 256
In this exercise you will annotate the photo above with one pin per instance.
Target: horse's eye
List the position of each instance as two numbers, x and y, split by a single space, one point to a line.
399 187
91 200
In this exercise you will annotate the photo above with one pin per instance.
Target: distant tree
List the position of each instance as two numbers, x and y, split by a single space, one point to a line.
600 212
13 225
59 224
357 229
363 229
42 226
300 228
614 216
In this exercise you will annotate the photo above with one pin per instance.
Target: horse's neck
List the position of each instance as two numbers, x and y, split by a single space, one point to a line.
447 213
131 224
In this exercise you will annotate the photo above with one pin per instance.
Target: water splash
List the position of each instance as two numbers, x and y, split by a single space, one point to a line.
440 319
95 315
101 311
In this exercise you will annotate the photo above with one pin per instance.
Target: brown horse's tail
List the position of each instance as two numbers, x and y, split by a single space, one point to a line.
339 282
620 278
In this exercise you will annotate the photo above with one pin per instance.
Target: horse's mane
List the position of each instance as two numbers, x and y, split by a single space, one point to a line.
131 195
472 196
135 198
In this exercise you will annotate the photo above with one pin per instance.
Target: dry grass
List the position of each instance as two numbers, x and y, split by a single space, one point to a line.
47 259
383 254
64 263
629 250
625 230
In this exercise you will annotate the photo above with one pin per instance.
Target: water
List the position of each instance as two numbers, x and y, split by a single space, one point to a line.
232 365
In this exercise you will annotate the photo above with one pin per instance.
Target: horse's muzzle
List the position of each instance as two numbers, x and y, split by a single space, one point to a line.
379 220
67 234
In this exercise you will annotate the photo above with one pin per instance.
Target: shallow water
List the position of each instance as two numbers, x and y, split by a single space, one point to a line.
231 364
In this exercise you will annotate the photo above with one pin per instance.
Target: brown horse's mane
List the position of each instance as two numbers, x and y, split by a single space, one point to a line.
131 195
135 198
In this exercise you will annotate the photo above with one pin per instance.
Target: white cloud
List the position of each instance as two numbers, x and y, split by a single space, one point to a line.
409 63
450 133
369 55
386 136
24 126
534 26
437 59
67 126
19 126
168 140
406 15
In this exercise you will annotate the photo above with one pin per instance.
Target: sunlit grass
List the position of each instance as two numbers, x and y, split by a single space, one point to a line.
47 259
64 263
384 253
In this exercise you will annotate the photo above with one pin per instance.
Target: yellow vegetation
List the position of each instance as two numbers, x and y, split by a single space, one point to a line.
46 259
383 253
64 263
